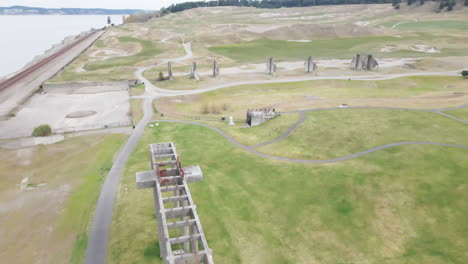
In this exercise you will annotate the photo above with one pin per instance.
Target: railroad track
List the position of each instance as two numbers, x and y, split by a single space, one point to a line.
21 75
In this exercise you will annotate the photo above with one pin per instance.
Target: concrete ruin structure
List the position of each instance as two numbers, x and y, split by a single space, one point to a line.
194 71
181 237
309 65
215 69
364 62
256 117
271 66
169 71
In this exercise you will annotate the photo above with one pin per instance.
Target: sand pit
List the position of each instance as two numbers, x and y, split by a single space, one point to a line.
261 29
109 53
80 114
388 48
299 40
425 49
269 14
362 23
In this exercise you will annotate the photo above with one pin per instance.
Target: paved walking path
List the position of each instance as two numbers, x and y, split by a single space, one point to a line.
98 239
352 156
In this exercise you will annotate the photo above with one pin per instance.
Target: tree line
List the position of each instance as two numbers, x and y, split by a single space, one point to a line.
174 8
266 3
443 4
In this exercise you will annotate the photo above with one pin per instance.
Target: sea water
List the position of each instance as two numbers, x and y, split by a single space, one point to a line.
24 37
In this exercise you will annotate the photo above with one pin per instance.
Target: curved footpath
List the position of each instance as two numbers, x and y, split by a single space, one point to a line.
355 155
99 234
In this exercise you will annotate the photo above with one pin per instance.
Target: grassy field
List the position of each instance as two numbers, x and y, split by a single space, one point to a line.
48 221
336 133
412 92
460 113
400 205
337 48
149 49
429 25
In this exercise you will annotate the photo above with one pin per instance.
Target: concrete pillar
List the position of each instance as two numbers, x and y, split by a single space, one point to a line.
309 65
156 202
169 71
194 72
271 66
193 231
215 69
357 64
185 230
162 244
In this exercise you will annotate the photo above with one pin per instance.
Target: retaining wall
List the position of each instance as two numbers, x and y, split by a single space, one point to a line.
86 87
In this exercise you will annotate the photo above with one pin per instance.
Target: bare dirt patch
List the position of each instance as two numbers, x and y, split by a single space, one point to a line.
425 49
79 114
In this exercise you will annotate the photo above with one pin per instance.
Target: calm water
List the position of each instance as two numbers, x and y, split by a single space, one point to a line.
24 37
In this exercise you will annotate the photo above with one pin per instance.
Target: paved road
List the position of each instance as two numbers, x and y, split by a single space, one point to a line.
352 156
13 96
164 92
98 239
99 235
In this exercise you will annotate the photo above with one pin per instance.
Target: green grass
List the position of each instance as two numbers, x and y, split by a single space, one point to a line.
292 95
79 208
338 48
461 113
136 106
430 25
149 49
65 180
336 133
137 90
400 205
250 136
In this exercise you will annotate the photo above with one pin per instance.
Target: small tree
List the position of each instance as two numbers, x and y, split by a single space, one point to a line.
42 131
464 74
466 3
397 6
161 76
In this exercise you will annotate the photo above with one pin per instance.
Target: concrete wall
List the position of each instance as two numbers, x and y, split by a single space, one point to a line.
86 87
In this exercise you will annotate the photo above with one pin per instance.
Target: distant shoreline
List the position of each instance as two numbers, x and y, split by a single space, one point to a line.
26 10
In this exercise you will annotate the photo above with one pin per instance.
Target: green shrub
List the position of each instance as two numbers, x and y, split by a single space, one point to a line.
161 76
464 73
42 131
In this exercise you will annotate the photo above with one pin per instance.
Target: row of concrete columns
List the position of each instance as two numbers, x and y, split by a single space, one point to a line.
360 62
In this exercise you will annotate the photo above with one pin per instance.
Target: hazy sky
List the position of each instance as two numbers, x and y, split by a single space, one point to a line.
112 4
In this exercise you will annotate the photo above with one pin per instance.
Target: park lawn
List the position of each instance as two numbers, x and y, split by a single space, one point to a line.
122 73
149 49
338 48
399 205
297 95
461 113
335 133
137 90
429 25
246 135
136 106
53 219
